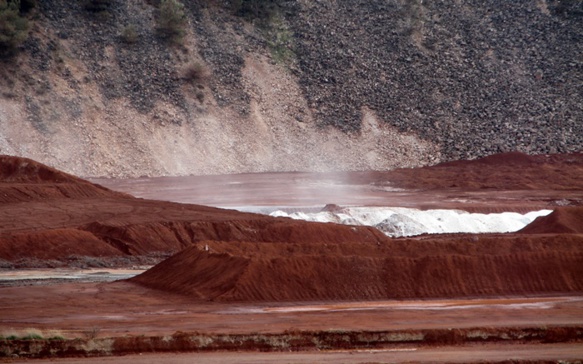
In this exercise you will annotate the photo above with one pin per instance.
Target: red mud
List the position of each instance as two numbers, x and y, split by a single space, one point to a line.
56 216
520 183
454 266
508 171
228 256
51 215
560 221
426 267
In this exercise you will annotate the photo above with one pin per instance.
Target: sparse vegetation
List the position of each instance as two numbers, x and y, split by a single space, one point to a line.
97 6
32 334
56 338
196 72
92 333
171 21
568 7
129 34
266 15
13 27
280 40
254 9
295 340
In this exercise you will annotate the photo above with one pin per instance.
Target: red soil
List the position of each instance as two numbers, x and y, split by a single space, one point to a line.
231 256
428 267
23 180
508 171
449 266
47 214
564 220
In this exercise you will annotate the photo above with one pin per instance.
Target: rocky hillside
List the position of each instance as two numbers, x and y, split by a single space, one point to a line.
309 85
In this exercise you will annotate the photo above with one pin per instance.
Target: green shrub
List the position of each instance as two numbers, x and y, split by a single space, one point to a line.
27 5
32 337
171 20
196 72
13 26
129 34
56 338
254 9
280 40
97 6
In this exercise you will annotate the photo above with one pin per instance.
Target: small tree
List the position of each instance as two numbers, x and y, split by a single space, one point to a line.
97 6
27 5
13 27
196 73
171 20
129 34
254 9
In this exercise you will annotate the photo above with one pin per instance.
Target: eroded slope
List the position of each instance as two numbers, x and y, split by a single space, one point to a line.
50 216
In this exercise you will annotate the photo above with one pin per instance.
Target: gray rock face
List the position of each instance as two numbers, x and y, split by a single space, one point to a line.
478 77
472 78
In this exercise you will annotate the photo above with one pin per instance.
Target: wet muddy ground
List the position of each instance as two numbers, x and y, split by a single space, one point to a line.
126 309
37 277
82 303
265 192
123 310
483 353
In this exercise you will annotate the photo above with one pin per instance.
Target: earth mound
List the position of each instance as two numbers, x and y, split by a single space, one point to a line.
562 220
24 170
437 266
506 171
22 179
510 158
51 217
46 215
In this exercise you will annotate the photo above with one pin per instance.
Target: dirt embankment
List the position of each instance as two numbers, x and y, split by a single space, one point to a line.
560 221
505 171
289 341
25 180
232 256
548 259
50 218
453 266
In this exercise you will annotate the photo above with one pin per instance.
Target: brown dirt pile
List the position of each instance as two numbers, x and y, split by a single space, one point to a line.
507 171
46 214
23 179
426 267
439 266
562 220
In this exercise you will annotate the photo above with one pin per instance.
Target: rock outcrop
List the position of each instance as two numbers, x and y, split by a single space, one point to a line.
320 86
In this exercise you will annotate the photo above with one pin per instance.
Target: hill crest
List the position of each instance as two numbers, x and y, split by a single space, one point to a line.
322 86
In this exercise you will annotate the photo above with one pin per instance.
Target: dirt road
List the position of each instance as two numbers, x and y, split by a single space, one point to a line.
121 308
473 354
